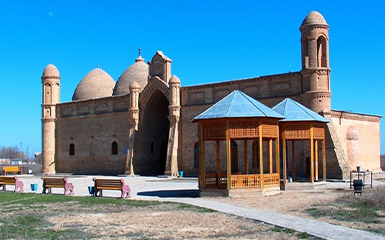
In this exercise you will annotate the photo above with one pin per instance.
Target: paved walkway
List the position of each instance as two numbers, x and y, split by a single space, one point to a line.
186 191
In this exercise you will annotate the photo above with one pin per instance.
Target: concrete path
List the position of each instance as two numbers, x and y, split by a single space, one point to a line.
186 191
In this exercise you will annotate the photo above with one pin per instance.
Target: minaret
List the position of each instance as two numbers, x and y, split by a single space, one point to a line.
51 96
315 63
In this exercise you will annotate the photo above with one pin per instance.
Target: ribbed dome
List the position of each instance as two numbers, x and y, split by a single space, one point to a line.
314 18
50 71
96 84
137 72
174 79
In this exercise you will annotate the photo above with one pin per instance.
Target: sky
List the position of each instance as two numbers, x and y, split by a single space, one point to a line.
208 41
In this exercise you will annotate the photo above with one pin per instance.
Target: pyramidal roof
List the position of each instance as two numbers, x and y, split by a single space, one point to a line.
235 105
294 111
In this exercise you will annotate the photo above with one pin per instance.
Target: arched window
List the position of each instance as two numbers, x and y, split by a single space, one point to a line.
114 148
321 52
196 155
72 149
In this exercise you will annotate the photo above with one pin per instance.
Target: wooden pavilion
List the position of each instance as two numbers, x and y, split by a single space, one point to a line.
238 117
301 124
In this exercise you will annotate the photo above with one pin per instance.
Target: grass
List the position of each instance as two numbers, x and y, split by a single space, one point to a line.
24 215
361 209
300 235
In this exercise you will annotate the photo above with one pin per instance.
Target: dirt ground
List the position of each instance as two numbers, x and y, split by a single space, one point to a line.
297 202
164 221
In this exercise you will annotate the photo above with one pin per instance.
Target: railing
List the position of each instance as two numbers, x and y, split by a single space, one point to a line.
243 180
213 180
254 180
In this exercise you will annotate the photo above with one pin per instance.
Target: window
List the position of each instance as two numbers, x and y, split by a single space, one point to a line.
114 148
72 149
196 155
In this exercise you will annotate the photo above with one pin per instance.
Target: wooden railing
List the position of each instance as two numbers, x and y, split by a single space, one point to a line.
254 180
212 179
243 180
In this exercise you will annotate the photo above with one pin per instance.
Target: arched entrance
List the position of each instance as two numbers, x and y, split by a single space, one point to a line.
154 130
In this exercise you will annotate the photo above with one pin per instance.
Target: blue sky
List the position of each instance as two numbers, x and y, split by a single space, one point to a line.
208 41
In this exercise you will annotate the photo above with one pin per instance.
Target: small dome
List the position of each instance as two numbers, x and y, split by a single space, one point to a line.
174 79
96 84
137 72
134 85
314 18
50 71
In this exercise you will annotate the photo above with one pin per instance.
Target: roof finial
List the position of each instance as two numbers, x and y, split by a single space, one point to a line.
139 59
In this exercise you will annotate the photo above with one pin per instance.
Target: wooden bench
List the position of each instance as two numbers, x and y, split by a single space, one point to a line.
4 181
11 169
55 182
111 184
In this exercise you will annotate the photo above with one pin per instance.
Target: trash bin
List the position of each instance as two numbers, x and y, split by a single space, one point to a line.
33 187
91 190
180 173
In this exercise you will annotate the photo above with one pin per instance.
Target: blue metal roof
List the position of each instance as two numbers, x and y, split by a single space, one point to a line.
294 111
237 105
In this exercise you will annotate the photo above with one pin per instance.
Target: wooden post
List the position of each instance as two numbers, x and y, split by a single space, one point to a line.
324 158
202 161
311 154
293 159
260 154
245 154
228 152
270 156
277 155
218 163
316 160
284 175
255 155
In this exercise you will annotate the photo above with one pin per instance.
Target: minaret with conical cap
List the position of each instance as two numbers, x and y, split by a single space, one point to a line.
51 96
315 62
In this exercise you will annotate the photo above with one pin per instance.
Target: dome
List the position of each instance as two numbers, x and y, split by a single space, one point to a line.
314 18
50 71
134 85
137 72
96 84
174 79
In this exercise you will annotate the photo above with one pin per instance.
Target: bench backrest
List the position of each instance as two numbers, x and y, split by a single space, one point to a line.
8 180
102 182
11 169
48 181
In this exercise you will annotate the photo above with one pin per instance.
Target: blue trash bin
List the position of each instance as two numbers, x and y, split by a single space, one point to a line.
91 190
34 187
180 173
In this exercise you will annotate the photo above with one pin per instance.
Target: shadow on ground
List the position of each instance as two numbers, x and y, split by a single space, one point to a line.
171 193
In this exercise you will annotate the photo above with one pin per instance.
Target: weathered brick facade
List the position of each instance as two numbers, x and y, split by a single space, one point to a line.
143 124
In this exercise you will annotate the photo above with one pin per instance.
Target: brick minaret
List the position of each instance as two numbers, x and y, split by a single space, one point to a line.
315 62
51 96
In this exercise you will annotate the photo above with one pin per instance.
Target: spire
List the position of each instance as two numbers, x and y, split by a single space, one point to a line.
139 59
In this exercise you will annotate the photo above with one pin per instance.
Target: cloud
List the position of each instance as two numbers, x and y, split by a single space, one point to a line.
50 14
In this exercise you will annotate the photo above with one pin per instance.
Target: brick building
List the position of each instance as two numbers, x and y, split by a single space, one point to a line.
142 123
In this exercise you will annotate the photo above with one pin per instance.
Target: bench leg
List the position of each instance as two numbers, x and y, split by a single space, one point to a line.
126 191
45 190
69 188
19 185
